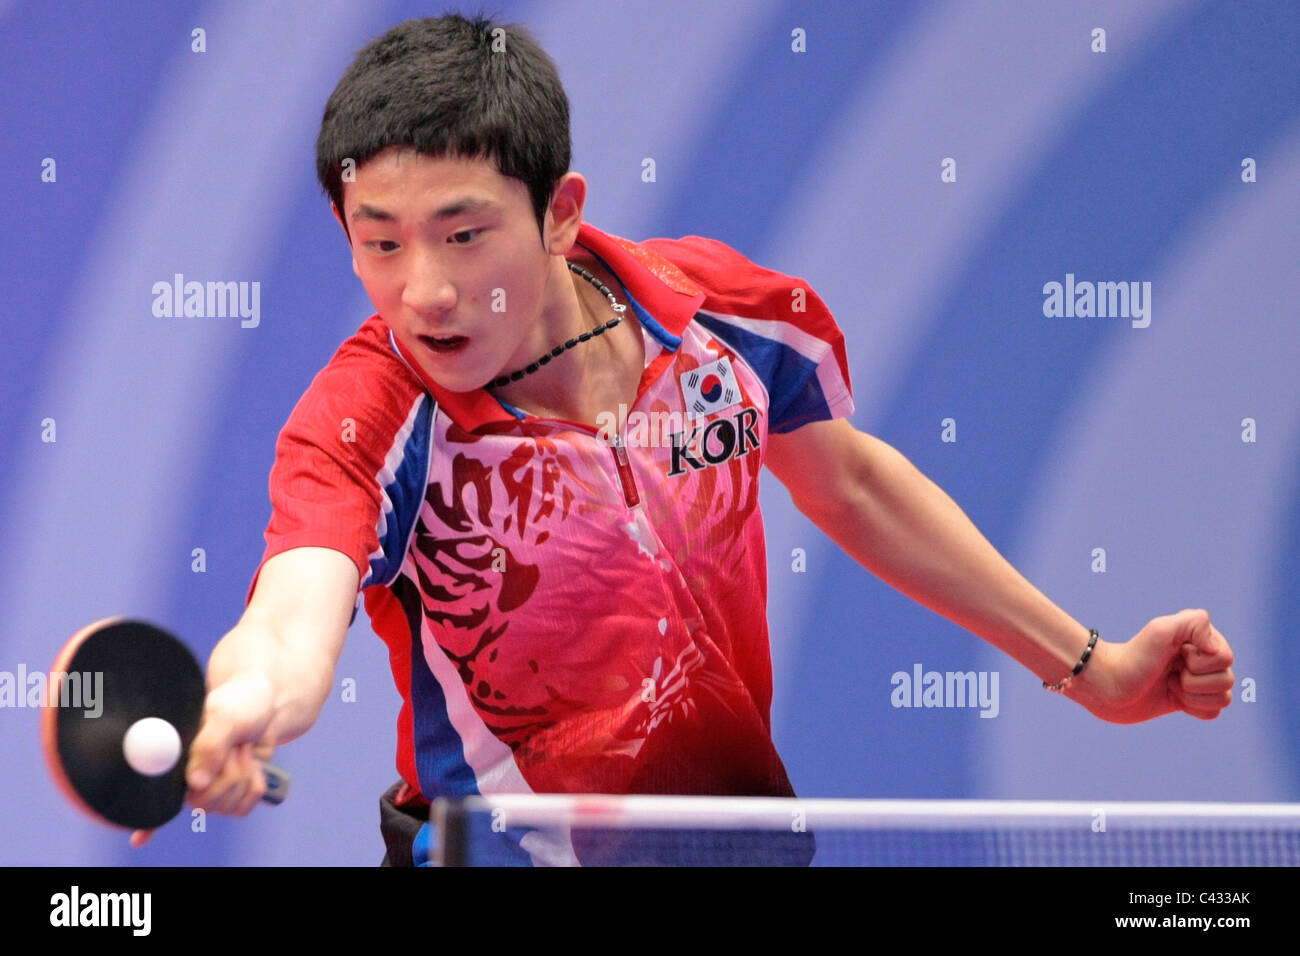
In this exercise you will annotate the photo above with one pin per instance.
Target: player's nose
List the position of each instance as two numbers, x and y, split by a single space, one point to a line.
429 290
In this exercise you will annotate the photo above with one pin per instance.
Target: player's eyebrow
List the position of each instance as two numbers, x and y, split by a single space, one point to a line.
451 210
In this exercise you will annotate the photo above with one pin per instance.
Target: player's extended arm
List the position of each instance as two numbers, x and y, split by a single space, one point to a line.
291 635
270 675
906 530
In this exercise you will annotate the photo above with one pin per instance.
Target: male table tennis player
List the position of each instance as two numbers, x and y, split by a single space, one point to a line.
569 605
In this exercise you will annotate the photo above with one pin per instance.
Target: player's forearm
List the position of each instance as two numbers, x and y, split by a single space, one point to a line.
905 529
299 682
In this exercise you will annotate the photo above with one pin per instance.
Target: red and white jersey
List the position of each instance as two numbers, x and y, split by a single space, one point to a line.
563 613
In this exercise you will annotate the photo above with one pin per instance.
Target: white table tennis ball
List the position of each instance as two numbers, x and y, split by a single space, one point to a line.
151 746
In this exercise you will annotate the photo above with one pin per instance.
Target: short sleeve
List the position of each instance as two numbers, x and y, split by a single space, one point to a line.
351 462
776 323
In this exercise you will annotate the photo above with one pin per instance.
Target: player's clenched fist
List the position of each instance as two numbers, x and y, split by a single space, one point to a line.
1177 662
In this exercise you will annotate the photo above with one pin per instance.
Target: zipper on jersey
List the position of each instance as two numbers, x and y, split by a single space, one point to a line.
622 464
625 476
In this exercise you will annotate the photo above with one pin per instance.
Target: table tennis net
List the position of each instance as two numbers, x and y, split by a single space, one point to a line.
604 830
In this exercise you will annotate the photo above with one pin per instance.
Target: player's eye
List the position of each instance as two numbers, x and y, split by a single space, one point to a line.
464 237
374 244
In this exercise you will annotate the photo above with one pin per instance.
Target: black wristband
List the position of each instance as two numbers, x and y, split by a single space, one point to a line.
1087 653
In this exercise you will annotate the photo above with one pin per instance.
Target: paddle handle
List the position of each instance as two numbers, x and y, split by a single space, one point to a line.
277 784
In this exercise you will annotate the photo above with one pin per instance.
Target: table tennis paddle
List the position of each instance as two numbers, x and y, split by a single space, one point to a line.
109 676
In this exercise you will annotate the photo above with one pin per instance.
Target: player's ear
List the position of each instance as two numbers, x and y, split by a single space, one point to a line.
564 214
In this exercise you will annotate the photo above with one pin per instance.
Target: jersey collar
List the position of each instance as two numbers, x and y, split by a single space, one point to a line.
664 298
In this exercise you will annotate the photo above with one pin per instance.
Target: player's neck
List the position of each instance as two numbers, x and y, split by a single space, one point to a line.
593 376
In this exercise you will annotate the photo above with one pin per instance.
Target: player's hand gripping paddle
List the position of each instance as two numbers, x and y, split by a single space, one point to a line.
122 757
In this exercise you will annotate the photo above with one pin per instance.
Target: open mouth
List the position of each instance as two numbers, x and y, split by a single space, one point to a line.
444 343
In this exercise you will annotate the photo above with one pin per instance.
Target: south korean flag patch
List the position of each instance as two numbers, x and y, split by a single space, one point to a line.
710 388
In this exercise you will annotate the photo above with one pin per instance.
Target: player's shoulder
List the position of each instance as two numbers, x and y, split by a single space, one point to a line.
712 264
367 363
365 380
369 346
734 284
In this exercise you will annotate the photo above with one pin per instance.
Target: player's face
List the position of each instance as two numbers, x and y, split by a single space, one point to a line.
450 254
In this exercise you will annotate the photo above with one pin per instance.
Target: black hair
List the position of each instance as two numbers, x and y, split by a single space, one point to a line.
443 86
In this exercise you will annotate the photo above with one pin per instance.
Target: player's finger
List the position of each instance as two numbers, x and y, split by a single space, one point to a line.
1196 661
1202 706
227 789
1212 683
1207 701
209 754
1204 648
256 780
225 796
140 837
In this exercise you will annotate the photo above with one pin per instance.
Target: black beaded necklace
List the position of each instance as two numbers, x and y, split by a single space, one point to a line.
582 337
